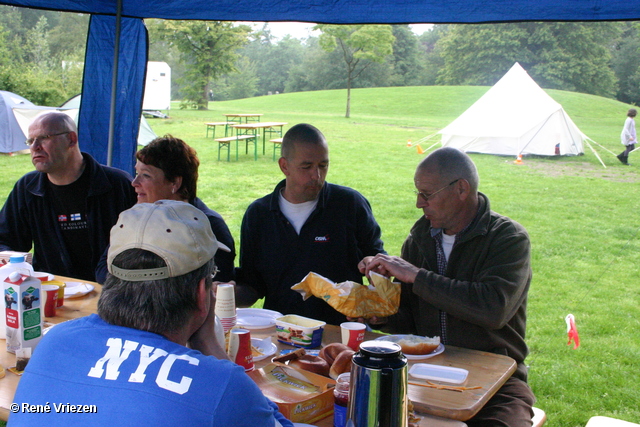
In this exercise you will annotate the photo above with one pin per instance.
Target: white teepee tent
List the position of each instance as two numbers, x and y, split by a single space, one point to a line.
515 117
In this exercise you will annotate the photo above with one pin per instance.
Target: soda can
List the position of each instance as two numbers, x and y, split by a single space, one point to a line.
240 348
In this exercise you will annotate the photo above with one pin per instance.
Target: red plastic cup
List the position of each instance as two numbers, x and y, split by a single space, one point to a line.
352 334
240 348
50 293
42 276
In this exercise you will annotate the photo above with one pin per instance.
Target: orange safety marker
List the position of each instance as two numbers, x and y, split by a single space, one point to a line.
420 150
518 161
409 144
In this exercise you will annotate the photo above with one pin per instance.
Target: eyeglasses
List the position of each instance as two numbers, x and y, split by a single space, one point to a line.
41 138
427 197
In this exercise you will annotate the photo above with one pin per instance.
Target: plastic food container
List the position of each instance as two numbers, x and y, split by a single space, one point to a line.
447 374
299 331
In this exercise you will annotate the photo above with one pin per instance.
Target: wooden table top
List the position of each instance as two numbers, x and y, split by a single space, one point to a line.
243 115
258 125
487 370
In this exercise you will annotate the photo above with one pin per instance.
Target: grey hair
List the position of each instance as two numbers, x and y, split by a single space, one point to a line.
161 306
450 164
303 133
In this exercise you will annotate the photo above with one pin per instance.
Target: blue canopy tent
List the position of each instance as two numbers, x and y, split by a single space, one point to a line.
110 136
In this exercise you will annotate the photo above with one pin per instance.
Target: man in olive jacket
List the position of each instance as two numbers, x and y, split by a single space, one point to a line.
466 273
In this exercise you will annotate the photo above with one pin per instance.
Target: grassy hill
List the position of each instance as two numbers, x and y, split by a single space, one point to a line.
582 218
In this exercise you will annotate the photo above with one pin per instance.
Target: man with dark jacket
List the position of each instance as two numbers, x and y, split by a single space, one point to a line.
305 225
67 206
466 273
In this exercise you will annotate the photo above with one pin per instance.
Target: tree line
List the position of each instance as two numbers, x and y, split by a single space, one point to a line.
41 55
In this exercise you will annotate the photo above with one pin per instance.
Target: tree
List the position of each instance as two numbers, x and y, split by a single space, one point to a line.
433 59
244 83
559 55
276 59
626 64
408 63
208 50
360 46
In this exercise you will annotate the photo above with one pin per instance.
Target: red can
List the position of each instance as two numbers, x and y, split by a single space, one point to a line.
240 348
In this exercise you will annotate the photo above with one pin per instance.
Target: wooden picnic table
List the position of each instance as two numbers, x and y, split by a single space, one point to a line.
438 408
248 117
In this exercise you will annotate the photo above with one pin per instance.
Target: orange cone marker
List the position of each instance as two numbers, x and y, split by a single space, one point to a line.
420 150
518 161
409 143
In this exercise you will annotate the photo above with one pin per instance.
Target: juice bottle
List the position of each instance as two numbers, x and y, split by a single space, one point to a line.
16 263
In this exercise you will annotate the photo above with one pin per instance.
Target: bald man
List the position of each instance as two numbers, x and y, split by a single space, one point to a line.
306 224
67 206
465 273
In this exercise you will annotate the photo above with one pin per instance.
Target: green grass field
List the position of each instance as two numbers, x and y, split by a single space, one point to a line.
582 218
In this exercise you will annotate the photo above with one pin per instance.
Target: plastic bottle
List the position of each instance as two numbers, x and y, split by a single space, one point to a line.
16 263
341 395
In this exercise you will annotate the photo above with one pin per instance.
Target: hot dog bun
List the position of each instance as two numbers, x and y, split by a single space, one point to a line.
416 345
311 363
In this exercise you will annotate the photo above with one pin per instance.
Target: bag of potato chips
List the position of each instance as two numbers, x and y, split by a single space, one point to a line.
351 298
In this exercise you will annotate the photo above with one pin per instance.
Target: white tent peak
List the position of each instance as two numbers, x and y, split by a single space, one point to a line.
515 117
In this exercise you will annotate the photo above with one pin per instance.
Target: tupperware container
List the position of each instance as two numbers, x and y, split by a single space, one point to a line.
299 331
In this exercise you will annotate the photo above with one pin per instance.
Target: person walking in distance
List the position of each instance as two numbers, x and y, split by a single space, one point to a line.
628 136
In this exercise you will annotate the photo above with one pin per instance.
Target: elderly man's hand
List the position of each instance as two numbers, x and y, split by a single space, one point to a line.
392 266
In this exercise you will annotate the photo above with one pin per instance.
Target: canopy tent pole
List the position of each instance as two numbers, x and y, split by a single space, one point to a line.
114 84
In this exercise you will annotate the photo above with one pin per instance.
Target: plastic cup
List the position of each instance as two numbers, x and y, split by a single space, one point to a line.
50 293
42 276
61 286
352 334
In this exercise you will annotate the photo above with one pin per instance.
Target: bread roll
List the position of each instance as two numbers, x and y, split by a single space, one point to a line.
330 351
342 363
417 345
311 363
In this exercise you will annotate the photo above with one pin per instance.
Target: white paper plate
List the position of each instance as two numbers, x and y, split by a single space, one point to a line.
77 289
256 318
396 338
267 347
446 374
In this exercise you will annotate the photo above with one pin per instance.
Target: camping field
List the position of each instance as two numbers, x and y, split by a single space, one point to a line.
582 218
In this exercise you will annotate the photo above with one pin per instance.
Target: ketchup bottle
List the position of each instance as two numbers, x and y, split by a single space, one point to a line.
341 394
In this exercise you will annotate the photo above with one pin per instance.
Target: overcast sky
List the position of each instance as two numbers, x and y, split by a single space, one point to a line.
302 30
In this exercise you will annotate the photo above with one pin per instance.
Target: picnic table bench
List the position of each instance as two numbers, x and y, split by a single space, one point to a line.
212 126
227 140
277 144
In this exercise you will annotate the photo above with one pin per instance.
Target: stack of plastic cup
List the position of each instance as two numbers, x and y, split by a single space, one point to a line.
226 306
